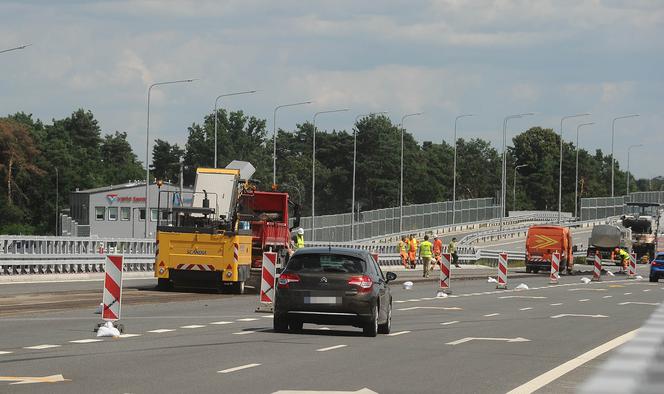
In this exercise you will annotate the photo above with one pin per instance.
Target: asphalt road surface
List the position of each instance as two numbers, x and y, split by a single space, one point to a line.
478 340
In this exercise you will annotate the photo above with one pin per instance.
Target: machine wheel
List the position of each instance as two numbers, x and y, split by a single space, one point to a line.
371 329
528 270
536 270
386 327
280 323
237 287
653 279
164 284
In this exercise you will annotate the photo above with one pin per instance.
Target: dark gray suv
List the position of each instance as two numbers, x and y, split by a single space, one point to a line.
336 286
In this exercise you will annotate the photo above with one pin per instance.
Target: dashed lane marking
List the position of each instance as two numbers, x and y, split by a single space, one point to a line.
646 290
129 335
91 340
248 319
40 347
492 314
638 303
5 352
193 326
627 294
556 304
268 317
447 323
394 334
607 297
453 308
241 367
324 328
584 300
525 309
561 370
586 289
325 349
400 301
243 332
161 330
221 323
532 297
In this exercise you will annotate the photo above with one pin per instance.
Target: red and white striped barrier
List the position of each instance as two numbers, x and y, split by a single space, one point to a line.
195 267
631 270
268 274
445 259
112 288
597 269
502 271
555 268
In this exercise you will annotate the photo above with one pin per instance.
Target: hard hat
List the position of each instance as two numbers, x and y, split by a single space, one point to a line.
300 231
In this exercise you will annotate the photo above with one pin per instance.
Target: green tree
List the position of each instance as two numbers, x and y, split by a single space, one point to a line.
166 160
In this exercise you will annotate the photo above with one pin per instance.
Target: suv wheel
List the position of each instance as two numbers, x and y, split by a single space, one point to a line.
653 279
280 323
386 327
371 329
295 325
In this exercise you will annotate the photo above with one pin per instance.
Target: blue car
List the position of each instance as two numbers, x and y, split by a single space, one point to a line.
657 267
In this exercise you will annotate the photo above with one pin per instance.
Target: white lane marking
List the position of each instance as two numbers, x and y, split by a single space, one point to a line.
193 326
69 281
607 297
414 300
575 315
268 317
40 347
627 293
525 309
638 303
468 339
584 300
561 370
221 323
325 349
428 298
586 289
412 308
394 334
324 328
241 367
244 332
447 323
91 340
161 330
646 290
492 314
399 301
247 319
533 297
129 335
556 304
5 352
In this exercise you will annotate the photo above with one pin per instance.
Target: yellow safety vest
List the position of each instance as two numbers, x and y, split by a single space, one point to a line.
299 241
425 249
402 247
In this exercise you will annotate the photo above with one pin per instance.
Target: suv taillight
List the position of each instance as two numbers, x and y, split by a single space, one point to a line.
363 283
285 279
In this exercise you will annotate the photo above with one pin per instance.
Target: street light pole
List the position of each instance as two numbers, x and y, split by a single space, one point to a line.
514 189
628 175
313 172
147 150
576 177
401 187
613 134
274 138
57 198
503 181
15 48
352 204
560 165
454 171
215 118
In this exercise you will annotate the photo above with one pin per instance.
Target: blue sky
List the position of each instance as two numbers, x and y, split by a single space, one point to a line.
491 58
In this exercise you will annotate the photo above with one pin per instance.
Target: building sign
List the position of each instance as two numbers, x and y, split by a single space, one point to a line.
114 198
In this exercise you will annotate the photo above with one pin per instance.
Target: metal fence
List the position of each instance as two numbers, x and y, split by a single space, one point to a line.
370 224
602 207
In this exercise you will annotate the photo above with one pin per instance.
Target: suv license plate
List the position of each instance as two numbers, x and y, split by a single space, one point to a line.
321 300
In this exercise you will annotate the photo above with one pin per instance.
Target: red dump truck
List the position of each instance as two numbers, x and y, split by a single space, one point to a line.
542 242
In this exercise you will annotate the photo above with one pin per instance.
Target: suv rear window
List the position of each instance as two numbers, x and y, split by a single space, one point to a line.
326 263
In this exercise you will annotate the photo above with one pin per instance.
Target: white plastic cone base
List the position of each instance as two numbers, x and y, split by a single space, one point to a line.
610 273
491 280
585 280
441 294
522 286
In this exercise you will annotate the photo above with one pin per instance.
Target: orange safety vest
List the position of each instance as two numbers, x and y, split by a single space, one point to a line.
437 247
412 252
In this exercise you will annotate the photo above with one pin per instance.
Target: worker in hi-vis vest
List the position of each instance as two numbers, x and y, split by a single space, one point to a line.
402 247
426 254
